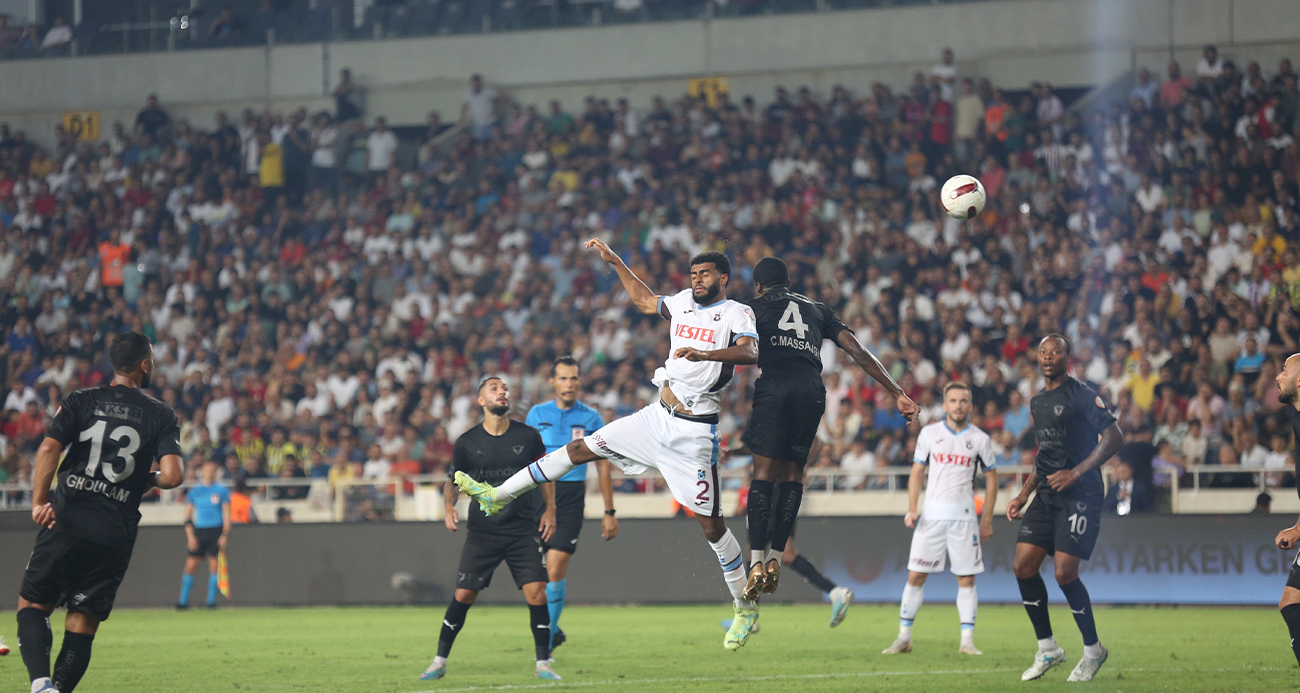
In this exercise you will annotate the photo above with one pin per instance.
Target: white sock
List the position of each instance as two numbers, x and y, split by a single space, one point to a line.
771 555
1047 645
967 605
911 604
732 559
758 556
1093 651
549 468
40 683
440 661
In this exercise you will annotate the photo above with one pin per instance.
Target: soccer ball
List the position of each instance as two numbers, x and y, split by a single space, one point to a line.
962 197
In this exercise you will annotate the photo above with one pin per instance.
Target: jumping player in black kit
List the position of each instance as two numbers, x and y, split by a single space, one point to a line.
1289 538
789 400
1076 433
113 435
493 450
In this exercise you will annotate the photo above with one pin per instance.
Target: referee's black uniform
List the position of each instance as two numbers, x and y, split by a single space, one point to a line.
511 535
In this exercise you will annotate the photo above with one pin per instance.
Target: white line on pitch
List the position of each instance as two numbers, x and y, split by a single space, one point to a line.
779 677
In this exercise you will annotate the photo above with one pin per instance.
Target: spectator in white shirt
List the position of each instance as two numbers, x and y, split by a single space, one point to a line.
480 106
945 73
381 147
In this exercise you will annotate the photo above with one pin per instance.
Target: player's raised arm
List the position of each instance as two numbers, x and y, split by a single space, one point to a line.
871 365
643 298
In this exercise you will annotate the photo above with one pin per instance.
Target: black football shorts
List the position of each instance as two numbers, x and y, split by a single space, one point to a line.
1061 524
787 410
570 504
72 572
483 552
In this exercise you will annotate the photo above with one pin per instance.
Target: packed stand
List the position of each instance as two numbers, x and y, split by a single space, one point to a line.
324 300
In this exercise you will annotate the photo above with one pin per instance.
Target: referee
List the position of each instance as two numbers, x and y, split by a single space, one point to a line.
207 525
493 451
560 421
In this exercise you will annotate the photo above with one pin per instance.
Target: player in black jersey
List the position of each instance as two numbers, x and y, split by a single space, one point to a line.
789 400
1289 538
1076 433
113 435
493 451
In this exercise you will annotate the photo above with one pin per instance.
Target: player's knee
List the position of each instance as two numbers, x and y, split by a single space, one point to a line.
579 453
465 596
1065 574
916 579
966 581
1024 569
83 624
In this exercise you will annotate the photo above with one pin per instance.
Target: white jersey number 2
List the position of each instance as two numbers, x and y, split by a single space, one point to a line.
126 450
792 320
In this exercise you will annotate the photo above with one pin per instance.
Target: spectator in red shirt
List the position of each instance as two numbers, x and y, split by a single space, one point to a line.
1174 88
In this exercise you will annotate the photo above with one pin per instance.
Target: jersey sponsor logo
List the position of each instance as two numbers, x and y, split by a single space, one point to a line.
1058 409
77 482
604 448
109 410
949 458
925 563
518 449
698 334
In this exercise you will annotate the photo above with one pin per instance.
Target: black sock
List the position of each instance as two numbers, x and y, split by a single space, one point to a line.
760 513
35 640
452 621
1081 606
72 661
788 498
804 567
1291 614
539 618
1033 592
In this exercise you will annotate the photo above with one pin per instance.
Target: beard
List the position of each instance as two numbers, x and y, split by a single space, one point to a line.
959 421
1286 396
148 378
711 295
498 409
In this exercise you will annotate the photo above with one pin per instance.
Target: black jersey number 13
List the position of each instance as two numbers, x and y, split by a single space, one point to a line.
128 441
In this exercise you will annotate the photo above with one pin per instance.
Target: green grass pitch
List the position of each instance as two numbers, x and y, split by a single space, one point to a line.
667 649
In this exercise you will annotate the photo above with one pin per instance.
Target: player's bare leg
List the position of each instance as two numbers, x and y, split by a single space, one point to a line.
1033 594
551 467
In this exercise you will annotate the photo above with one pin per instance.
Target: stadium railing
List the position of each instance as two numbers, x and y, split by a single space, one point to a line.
1202 489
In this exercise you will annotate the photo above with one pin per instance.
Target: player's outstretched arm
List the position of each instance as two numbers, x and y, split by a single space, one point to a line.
47 462
743 353
1112 439
643 298
871 365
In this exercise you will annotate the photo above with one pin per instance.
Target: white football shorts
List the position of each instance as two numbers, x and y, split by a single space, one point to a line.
936 541
685 452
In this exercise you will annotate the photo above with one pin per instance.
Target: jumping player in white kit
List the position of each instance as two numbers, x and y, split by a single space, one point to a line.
678 435
953 451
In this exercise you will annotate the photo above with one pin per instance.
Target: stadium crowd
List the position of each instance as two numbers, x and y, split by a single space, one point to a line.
320 310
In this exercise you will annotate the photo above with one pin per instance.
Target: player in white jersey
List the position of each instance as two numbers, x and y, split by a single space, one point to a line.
953 451
678 435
